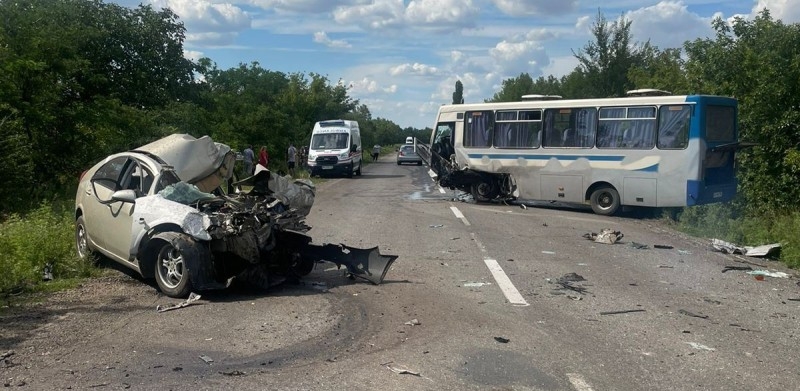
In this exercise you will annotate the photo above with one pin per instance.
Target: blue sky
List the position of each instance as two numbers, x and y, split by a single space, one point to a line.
402 57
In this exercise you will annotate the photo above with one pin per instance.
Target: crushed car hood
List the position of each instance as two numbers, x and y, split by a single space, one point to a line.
199 161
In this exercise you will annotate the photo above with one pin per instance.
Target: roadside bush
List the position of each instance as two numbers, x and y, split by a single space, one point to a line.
723 221
31 242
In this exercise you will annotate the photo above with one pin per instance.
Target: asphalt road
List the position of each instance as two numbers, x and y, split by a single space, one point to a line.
482 297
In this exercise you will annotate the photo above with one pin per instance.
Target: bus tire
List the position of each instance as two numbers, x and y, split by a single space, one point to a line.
605 201
484 191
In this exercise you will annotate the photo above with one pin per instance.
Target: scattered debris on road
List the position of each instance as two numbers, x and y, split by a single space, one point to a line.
692 314
207 359
606 236
548 252
569 281
639 246
729 268
663 246
475 284
758 251
768 273
436 226
400 370
502 339
413 322
620 312
192 298
700 346
234 372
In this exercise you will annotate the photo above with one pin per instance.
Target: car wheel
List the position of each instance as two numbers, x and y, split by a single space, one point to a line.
358 172
171 273
484 191
605 201
350 170
82 245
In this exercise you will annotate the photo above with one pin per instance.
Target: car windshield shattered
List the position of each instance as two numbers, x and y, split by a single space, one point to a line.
206 231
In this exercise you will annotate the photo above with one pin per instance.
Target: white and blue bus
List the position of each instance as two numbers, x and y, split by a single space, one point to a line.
647 150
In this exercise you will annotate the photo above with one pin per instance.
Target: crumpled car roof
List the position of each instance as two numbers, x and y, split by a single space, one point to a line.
200 161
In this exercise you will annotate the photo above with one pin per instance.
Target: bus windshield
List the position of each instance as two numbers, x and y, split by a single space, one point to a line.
329 141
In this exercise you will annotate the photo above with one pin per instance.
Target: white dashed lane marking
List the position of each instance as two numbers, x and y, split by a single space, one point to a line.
459 215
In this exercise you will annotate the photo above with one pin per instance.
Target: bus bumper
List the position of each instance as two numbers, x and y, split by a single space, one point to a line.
699 194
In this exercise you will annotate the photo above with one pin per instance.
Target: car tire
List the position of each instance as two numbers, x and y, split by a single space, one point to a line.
171 273
358 172
605 201
350 170
83 243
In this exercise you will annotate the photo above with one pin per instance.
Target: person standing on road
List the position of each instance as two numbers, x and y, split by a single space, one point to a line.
291 157
248 157
263 157
376 151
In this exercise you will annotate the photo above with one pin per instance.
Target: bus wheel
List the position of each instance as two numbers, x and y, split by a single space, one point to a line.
484 191
605 201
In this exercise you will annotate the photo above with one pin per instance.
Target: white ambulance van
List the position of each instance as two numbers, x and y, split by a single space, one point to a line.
335 148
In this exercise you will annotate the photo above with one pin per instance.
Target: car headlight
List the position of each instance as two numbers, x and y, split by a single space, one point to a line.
344 155
312 156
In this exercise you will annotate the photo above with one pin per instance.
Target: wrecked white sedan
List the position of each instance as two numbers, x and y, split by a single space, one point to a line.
168 210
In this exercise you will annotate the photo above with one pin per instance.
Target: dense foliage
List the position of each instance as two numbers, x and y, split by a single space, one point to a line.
80 79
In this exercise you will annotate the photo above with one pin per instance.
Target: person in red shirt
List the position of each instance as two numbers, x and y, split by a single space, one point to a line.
263 157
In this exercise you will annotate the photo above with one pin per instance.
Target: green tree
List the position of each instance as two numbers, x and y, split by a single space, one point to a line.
605 62
458 94
513 89
757 62
664 70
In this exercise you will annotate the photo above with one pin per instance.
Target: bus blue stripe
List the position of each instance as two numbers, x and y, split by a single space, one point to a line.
653 168
547 157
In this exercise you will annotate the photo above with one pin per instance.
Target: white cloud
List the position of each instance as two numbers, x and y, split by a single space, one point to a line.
367 86
522 8
394 14
413 69
322 37
192 55
220 23
302 6
668 24
785 10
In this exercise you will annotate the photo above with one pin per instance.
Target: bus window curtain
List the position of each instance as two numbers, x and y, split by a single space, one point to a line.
479 131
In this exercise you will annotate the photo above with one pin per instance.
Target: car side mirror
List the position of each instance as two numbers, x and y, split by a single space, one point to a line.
126 195
353 148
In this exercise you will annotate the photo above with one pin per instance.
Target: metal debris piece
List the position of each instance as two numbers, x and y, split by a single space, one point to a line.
700 346
768 273
191 299
663 246
436 226
400 370
413 322
692 314
502 339
207 359
569 280
234 372
620 312
729 268
758 251
548 252
523 206
639 246
475 284
606 236
7 354
666 267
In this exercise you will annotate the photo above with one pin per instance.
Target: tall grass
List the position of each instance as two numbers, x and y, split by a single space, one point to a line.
31 242
723 221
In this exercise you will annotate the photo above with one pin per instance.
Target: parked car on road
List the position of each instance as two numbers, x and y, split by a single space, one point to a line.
408 154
